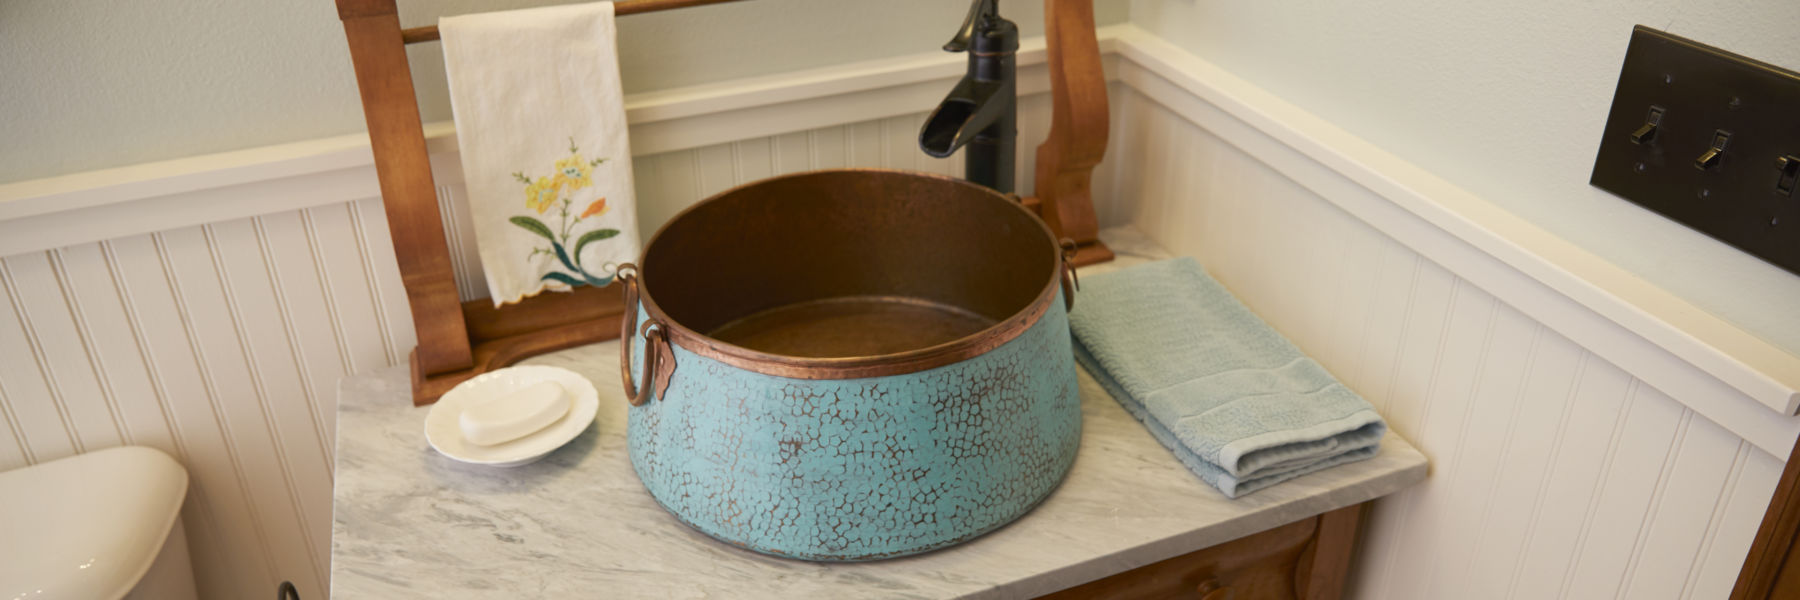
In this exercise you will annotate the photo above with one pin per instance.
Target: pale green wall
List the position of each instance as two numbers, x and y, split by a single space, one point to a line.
88 84
1507 100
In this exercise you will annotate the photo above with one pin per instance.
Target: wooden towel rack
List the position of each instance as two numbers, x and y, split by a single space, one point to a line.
458 340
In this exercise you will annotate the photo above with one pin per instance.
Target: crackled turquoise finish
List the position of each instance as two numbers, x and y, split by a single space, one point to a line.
861 469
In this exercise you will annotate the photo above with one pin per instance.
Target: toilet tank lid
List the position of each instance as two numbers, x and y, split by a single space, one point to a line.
89 525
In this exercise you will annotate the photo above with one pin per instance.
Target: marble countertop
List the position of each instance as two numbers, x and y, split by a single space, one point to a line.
410 523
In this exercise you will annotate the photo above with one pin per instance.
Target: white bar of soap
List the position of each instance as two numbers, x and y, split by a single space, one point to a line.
506 418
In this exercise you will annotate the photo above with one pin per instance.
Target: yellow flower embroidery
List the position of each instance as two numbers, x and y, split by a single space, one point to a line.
574 172
542 193
597 208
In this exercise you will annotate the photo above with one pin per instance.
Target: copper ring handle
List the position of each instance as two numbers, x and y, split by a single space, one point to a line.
1070 281
659 358
627 276
658 364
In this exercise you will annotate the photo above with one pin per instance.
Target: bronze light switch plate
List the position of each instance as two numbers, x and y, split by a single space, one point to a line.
1710 139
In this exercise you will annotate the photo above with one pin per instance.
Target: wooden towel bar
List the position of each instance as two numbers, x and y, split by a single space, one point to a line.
459 340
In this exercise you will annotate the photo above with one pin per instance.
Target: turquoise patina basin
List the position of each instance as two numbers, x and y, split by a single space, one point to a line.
851 365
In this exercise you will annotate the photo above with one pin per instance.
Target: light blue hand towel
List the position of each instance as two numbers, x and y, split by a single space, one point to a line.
1236 403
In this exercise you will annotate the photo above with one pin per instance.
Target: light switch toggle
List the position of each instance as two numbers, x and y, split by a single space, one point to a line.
1790 171
1710 158
1647 133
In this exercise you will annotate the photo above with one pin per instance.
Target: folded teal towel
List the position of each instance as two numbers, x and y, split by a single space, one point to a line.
1236 403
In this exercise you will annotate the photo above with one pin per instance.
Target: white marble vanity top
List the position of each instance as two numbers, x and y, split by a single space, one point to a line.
410 523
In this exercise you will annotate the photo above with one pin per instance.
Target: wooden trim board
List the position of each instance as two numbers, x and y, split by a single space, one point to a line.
1772 568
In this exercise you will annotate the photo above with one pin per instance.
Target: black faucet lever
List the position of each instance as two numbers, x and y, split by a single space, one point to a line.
981 9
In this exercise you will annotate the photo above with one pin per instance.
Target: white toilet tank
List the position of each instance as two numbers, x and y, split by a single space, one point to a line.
101 525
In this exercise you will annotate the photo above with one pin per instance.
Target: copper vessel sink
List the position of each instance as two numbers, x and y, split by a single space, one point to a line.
850 364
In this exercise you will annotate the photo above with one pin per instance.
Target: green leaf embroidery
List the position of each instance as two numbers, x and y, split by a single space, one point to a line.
564 257
592 236
534 226
571 281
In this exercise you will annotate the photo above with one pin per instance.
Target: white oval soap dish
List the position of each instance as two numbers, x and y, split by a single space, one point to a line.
513 416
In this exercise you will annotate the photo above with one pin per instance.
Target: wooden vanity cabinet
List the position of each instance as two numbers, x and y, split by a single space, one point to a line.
1308 559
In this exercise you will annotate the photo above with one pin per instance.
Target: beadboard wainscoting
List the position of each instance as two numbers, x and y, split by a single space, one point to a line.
220 344
1589 438
1555 473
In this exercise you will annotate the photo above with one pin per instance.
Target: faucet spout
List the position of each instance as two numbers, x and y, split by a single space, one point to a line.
973 107
981 112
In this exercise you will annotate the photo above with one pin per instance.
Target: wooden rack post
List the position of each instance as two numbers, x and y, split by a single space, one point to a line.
1078 128
459 340
398 140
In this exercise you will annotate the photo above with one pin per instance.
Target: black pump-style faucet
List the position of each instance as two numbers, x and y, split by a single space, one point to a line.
981 112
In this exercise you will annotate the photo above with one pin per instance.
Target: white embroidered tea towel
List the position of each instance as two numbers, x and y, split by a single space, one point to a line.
540 123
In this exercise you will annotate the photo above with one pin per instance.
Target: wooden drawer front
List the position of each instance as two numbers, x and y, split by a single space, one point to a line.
1255 567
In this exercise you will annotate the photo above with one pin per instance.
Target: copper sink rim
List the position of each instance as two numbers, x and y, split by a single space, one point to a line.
855 367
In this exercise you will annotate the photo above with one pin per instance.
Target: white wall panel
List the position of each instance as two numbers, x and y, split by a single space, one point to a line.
1554 473
1574 479
1669 544
1734 525
206 299
347 286
39 418
232 550
392 313
305 311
